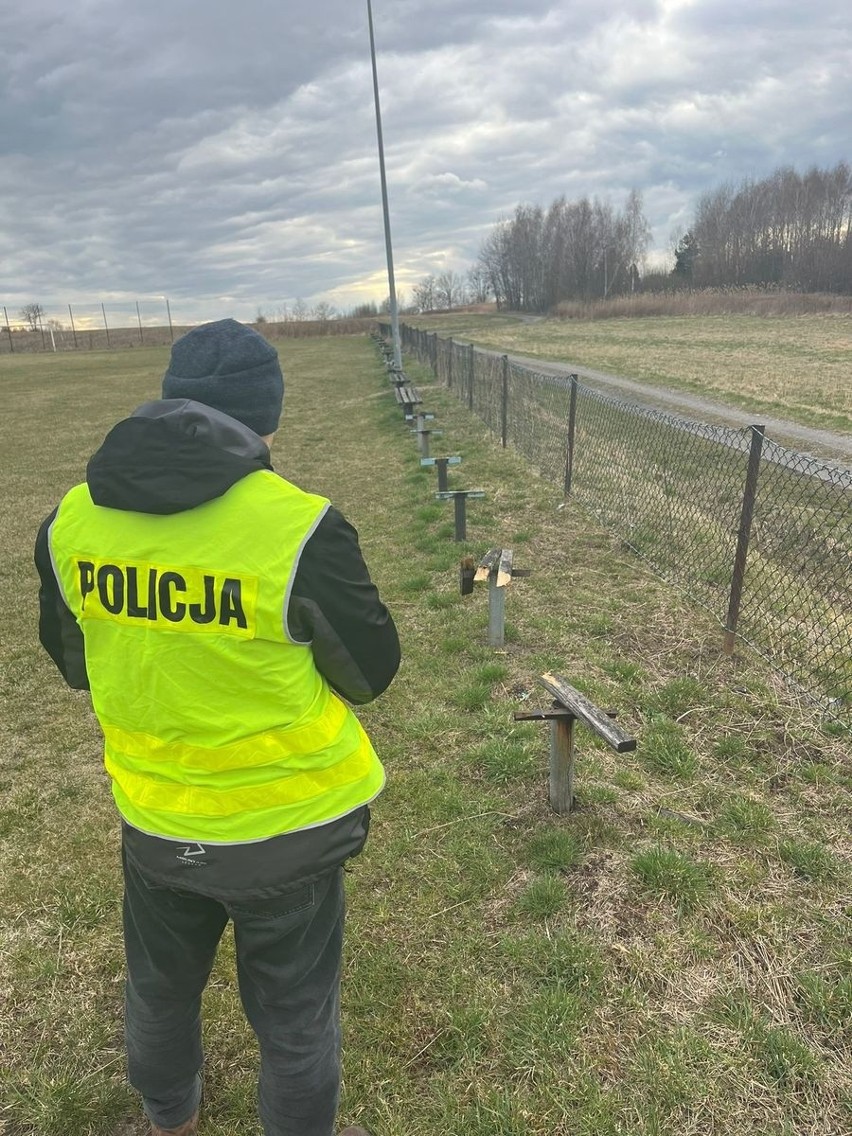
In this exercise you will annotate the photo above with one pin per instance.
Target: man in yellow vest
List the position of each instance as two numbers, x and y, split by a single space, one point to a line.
222 619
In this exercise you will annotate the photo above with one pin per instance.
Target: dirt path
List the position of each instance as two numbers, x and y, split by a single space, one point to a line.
806 439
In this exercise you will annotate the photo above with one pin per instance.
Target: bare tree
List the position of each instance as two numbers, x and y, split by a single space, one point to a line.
492 257
32 315
424 294
637 233
449 290
323 311
478 284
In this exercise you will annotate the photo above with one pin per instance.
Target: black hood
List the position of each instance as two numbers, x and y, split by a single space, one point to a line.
172 455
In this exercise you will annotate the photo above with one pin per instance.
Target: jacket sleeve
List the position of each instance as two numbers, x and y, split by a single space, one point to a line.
335 607
58 630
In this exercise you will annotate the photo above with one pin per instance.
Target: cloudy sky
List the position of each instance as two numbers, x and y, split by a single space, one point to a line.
223 152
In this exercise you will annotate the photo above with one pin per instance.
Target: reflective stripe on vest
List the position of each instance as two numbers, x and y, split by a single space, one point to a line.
217 725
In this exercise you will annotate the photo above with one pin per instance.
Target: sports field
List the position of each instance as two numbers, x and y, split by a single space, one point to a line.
672 958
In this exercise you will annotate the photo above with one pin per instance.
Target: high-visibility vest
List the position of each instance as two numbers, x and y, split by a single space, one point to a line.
217 726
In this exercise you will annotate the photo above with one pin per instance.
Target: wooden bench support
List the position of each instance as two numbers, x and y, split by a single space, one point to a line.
424 433
496 568
569 707
441 466
460 497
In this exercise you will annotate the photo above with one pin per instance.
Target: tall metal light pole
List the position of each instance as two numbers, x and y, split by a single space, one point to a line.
394 313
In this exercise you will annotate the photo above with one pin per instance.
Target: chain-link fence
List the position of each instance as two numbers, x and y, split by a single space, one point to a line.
759 535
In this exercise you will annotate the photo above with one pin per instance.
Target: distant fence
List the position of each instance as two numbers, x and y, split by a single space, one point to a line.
142 323
758 534
86 327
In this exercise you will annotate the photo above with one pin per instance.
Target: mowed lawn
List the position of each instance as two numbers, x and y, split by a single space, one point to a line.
794 367
675 957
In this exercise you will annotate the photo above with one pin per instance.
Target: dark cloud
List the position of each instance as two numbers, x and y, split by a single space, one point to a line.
205 149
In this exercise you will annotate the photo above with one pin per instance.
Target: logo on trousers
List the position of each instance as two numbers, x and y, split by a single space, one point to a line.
190 854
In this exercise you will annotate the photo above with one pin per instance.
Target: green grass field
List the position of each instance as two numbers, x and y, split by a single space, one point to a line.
673 958
794 367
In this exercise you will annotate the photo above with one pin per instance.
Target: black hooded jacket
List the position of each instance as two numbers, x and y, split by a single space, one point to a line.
171 456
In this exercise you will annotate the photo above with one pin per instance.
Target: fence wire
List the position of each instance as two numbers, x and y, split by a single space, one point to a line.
676 492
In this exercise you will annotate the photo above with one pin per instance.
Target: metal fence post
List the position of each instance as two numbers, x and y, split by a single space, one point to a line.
9 332
746 517
504 405
572 425
470 377
106 325
450 363
169 314
73 328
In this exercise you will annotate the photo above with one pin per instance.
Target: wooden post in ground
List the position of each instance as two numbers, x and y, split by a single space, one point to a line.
562 763
467 570
569 707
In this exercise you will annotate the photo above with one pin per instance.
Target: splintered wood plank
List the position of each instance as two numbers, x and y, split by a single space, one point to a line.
504 571
587 712
487 563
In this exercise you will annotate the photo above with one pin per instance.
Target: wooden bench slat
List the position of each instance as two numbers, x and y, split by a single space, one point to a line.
407 396
587 712
485 565
504 568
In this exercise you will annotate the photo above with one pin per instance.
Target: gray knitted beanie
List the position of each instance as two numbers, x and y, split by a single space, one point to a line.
228 366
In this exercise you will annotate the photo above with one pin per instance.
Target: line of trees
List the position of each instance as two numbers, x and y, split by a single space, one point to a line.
573 250
299 312
790 230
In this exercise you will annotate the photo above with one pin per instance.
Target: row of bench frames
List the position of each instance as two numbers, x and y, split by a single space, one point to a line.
569 706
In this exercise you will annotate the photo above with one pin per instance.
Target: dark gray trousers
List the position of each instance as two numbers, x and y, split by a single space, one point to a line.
288 965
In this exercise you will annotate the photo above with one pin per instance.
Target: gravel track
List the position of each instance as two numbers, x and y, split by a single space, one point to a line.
823 444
